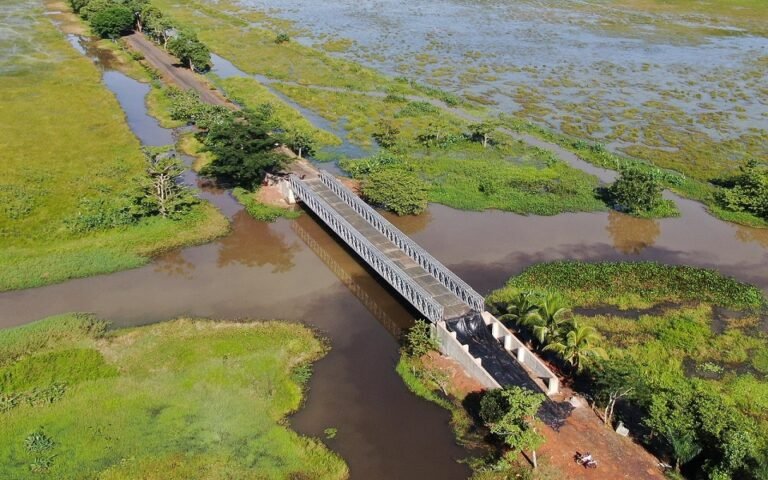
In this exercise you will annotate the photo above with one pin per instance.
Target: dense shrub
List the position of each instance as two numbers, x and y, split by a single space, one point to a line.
282 38
397 190
112 22
366 166
747 191
186 106
636 191
190 50
417 109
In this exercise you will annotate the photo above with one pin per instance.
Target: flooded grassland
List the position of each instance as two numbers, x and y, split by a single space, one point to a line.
685 89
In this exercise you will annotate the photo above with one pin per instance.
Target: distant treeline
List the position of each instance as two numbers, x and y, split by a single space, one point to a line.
114 18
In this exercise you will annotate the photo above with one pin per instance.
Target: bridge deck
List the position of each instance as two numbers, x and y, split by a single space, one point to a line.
454 307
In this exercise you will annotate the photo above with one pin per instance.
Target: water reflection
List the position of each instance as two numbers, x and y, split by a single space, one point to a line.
748 234
383 303
256 244
631 235
410 224
174 264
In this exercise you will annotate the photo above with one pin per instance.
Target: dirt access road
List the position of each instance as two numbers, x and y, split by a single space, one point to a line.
168 68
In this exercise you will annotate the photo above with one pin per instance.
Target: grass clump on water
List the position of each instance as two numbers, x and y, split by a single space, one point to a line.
634 285
180 399
262 211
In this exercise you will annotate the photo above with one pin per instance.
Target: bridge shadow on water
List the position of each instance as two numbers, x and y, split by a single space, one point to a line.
471 330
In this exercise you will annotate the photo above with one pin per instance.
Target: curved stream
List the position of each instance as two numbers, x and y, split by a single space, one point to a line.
296 270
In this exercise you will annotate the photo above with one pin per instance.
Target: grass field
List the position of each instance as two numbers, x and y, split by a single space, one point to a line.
181 399
65 139
250 93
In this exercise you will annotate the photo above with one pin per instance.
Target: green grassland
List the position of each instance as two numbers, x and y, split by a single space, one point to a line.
250 93
511 177
65 139
750 15
181 399
667 320
229 30
226 27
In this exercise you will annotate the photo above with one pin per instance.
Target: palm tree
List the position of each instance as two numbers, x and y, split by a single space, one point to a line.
580 346
522 309
553 316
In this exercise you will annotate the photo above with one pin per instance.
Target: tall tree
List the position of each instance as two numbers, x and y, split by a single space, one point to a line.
483 131
300 141
386 134
243 149
553 315
670 415
511 414
616 379
112 21
165 195
522 310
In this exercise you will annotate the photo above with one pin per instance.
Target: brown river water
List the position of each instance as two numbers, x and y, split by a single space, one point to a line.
296 270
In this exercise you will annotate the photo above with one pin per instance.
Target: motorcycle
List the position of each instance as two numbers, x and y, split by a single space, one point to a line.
585 460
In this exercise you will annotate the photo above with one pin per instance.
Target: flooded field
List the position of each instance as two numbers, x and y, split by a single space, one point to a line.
679 90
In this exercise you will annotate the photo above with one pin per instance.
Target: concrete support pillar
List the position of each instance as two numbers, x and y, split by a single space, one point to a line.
495 330
508 343
521 354
479 362
553 385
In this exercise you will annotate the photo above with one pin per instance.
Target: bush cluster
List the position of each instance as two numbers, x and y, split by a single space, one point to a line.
746 191
397 190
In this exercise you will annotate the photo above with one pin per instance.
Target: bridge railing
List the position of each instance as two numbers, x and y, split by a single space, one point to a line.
445 276
406 286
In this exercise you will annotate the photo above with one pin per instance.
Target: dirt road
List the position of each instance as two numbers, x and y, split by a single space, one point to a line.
169 68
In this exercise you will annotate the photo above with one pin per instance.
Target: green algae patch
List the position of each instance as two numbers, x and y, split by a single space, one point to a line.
180 399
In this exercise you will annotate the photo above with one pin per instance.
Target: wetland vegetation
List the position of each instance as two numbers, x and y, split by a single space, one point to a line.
685 356
660 89
173 400
67 148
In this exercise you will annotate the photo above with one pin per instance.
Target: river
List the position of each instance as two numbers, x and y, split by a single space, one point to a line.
297 271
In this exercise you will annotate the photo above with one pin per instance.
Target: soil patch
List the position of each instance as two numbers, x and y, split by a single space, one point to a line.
617 457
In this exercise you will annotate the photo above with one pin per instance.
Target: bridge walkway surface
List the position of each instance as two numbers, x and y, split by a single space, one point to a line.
453 306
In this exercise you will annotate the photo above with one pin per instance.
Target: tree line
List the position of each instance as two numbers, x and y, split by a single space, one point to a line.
115 18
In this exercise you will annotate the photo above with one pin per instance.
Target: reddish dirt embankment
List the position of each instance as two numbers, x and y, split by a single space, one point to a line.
618 457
